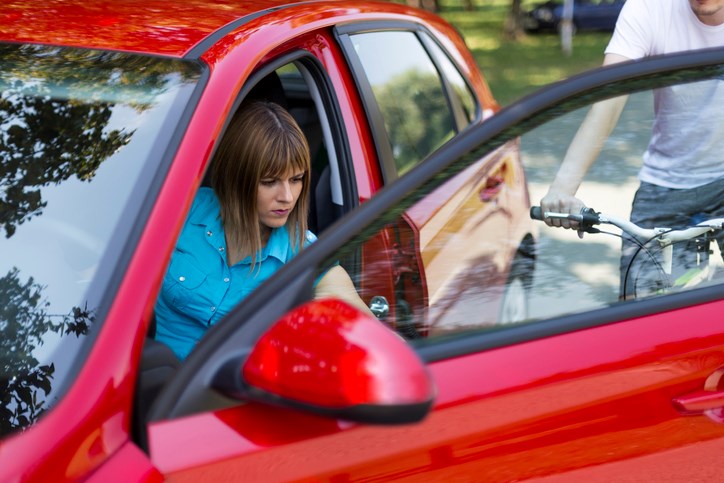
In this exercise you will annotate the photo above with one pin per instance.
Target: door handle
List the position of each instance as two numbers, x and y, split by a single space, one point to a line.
380 307
709 401
493 186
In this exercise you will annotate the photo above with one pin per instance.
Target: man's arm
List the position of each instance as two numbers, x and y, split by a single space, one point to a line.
581 154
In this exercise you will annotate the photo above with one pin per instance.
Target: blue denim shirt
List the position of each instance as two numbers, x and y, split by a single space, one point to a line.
200 287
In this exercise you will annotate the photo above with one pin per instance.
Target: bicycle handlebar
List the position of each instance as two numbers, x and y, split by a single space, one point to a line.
588 217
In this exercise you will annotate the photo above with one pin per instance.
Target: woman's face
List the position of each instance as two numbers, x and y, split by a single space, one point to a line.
277 196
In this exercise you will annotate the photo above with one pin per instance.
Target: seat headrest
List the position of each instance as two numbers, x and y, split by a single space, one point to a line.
270 89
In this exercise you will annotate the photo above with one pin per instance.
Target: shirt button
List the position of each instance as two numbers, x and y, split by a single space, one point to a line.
213 309
221 249
208 233
226 280
181 279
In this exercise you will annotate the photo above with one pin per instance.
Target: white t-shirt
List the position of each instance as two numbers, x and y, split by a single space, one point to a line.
687 143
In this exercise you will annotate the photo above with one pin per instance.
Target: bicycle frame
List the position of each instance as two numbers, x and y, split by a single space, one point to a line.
666 237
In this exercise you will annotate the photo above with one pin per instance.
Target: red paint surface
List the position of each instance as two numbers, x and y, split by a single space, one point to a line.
565 404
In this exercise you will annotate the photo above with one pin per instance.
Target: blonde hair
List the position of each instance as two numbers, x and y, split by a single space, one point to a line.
262 141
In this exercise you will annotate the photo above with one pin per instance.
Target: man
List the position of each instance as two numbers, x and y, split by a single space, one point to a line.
682 175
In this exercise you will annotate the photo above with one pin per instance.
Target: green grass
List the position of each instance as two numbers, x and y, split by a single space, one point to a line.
514 69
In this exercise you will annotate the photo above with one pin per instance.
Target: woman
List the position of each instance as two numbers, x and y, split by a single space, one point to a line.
243 229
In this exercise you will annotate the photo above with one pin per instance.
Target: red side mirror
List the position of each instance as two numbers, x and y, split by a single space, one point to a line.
330 358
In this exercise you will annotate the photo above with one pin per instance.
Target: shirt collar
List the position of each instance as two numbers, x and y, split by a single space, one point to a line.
278 244
207 213
206 210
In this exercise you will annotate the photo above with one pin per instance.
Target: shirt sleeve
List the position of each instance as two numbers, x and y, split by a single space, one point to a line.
633 36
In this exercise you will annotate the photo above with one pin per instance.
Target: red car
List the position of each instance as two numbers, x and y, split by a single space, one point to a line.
110 116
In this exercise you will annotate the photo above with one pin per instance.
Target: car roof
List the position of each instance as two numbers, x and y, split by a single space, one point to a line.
158 27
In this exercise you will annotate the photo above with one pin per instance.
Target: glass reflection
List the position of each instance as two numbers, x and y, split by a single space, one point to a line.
409 92
77 127
466 255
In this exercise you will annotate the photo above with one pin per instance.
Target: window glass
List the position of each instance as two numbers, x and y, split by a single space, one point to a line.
463 96
409 92
77 127
466 256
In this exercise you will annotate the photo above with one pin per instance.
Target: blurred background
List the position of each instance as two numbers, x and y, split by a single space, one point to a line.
571 274
515 61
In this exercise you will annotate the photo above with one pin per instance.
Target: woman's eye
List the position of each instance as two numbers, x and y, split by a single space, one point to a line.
267 182
298 179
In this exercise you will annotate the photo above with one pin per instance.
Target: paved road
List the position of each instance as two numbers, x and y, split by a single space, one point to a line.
574 274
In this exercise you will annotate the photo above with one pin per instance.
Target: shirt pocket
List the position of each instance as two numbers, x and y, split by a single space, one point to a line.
183 284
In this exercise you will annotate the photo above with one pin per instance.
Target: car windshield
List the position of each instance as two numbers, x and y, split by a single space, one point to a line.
80 130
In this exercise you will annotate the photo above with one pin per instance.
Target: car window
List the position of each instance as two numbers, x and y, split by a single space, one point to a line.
463 96
465 256
409 93
79 130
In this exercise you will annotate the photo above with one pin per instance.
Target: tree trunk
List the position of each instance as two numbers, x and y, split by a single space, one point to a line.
429 5
513 28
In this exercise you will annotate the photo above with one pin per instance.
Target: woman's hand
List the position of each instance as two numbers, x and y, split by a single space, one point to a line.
337 283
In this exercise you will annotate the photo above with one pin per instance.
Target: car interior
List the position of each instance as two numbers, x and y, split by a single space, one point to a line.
289 87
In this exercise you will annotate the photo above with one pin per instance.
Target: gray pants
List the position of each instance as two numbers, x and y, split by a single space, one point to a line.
655 206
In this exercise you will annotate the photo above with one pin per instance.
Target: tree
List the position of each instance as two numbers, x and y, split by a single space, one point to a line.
567 27
513 27
417 119
25 382
429 5
54 113
47 141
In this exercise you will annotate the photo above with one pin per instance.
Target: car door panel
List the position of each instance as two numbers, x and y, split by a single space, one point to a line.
130 462
465 241
573 395
566 403
456 241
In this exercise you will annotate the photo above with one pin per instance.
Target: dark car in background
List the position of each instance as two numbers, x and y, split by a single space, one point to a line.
587 15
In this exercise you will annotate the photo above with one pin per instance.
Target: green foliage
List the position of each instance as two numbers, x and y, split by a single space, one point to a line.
55 109
56 106
48 141
516 68
25 382
417 121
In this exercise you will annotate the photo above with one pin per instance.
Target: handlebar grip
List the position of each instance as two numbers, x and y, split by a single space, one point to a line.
587 218
536 213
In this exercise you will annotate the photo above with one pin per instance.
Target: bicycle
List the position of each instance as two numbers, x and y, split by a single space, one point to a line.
701 234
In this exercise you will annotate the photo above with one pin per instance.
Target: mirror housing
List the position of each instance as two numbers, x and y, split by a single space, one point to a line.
332 359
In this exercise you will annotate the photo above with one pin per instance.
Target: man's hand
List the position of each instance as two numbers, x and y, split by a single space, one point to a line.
561 203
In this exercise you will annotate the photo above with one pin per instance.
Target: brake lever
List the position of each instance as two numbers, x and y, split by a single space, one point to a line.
587 219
